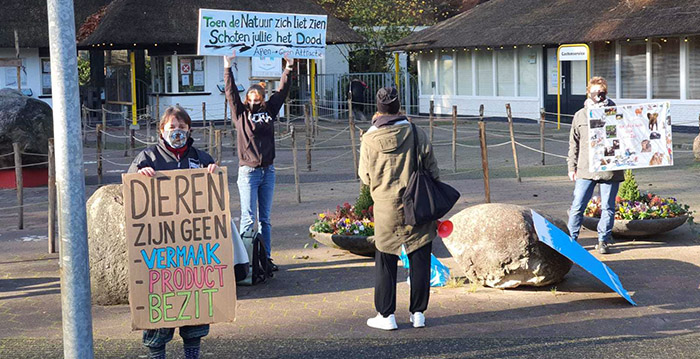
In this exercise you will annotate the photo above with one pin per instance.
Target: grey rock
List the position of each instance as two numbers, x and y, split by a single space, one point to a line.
109 271
496 245
27 121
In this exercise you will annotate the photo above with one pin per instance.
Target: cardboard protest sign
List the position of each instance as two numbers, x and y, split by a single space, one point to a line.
261 34
561 242
178 229
630 136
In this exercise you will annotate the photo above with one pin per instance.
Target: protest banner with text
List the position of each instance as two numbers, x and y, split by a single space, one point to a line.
261 34
178 231
630 136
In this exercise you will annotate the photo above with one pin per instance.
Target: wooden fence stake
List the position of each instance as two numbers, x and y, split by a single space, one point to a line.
296 164
484 158
126 137
133 142
20 185
432 119
542 116
52 198
217 139
84 124
353 144
307 123
454 137
98 136
512 142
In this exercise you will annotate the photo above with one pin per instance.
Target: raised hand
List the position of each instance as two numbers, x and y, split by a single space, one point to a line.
228 60
290 61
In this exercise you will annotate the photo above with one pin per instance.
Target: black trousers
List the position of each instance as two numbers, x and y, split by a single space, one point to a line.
385 266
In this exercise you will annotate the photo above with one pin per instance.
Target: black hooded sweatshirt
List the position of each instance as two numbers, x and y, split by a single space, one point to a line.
255 132
160 158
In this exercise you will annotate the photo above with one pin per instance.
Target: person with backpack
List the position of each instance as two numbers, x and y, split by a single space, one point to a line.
255 136
387 154
174 151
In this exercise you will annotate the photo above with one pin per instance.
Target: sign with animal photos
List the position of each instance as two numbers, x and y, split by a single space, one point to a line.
179 248
630 136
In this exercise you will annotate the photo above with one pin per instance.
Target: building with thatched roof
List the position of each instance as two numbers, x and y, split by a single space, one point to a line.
30 19
505 51
167 31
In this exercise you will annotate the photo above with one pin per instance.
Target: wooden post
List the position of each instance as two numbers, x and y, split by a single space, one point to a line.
296 164
19 67
287 112
52 198
126 137
148 124
20 185
210 134
218 147
351 120
432 119
307 123
512 142
132 146
484 158
84 123
542 116
454 137
98 135
104 118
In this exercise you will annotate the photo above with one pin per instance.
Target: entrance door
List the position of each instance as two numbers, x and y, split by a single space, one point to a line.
573 85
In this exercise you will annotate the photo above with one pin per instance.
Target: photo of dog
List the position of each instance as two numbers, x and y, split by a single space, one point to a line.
657 159
619 117
609 151
646 146
653 121
654 136
611 111
638 111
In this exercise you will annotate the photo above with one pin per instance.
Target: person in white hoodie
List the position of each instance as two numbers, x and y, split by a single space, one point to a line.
386 164
585 181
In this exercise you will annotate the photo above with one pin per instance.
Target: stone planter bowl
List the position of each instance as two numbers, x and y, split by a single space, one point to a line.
638 227
360 245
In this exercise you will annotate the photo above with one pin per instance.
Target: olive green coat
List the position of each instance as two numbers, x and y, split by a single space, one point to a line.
386 166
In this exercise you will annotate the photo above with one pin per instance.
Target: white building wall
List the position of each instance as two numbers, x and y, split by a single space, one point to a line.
32 63
528 107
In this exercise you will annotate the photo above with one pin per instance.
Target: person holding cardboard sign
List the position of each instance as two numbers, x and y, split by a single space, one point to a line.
585 181
173 151
254 119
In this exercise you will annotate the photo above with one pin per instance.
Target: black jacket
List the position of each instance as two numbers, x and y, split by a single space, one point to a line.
160 158
255 133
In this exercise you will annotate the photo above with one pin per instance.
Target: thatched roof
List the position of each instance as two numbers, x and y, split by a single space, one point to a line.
147 22
522 22
30 18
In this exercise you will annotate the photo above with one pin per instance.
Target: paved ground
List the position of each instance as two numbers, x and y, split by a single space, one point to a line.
317 305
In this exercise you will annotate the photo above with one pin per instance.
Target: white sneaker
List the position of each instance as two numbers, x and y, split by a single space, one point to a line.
418 320
380 322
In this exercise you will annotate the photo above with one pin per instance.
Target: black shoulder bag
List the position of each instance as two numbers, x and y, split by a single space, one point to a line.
425 199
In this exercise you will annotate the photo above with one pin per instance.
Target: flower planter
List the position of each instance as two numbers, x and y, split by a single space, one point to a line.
360 245
638 227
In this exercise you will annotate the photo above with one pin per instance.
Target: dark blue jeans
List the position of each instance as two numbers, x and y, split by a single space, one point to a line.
155 339
583 191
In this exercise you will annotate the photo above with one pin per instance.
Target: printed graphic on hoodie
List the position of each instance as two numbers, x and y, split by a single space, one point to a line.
260 117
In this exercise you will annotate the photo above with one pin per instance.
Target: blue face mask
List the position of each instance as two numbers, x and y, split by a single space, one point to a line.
176 138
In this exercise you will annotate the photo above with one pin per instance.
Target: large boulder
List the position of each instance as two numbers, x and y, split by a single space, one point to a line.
496 245
109 271
27 121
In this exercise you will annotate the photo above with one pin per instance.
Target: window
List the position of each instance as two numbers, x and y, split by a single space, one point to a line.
190 74
484 73
9 76
464 74
527 71
693 67
427 74
634 69
552 79
505 70
665 68
578 77
45 76
604 64
446 74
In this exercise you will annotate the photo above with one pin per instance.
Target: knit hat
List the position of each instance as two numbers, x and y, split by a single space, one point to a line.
388 100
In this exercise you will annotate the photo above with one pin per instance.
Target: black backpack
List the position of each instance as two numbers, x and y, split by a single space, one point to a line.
260 269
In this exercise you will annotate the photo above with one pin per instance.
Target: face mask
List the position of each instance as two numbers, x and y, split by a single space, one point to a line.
598 97
255 107
176 138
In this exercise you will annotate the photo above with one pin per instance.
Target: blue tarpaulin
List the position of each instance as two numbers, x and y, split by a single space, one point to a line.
562 243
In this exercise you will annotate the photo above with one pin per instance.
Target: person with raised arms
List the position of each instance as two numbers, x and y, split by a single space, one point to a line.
255 136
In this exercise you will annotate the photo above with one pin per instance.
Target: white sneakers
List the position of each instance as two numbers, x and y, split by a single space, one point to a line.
418 320
389 323
380 322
